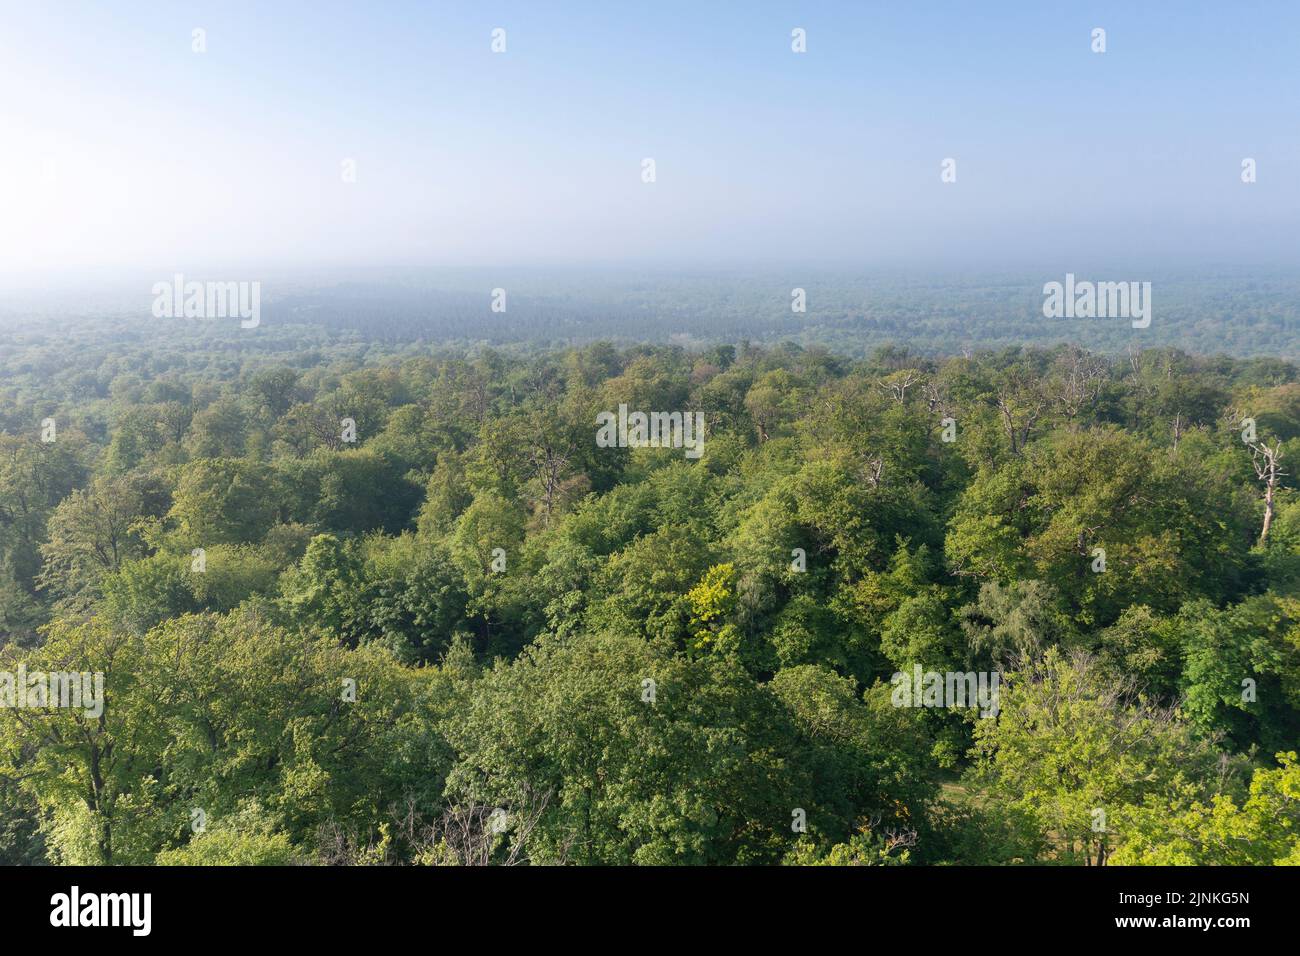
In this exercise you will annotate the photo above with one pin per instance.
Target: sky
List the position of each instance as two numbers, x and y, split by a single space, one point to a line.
124 150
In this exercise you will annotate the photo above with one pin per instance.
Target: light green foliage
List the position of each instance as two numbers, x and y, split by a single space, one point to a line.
245 838
634 656
208 712
861 850
712 601
223 501
1073 746
1264 829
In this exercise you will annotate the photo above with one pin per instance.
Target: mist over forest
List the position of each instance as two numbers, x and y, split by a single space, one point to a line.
1231 311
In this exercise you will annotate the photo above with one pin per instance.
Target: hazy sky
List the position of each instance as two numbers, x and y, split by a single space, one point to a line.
122 149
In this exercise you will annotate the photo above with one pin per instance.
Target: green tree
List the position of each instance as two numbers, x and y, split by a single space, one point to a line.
698 766
223 501
1262 830
1074 746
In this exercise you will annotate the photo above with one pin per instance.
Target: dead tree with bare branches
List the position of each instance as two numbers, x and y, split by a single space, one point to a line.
896 385
1266 459
1078 381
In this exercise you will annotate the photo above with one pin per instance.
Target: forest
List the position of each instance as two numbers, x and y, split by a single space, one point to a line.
849 311
388 604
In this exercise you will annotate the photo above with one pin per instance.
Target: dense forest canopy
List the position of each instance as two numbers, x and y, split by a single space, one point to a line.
357 600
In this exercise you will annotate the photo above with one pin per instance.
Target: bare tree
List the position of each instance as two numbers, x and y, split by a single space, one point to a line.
874 469
936 398
1137 380
549 461
479 835
896 385
1078 380
893 838
1266 460
462 835
1019 417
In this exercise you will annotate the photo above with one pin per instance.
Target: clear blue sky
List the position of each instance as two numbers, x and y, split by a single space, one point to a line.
121 148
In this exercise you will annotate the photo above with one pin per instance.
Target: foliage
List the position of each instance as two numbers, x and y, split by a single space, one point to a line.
473 635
